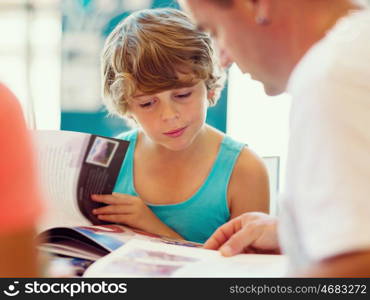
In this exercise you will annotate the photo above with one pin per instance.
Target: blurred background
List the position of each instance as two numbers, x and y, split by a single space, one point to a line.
49 56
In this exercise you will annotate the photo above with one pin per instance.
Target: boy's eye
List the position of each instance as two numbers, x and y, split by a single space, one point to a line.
183 95
147 104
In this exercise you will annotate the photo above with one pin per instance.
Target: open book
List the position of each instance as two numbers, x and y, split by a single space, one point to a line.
144 258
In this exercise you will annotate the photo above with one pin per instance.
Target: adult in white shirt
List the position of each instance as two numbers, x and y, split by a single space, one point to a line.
319 52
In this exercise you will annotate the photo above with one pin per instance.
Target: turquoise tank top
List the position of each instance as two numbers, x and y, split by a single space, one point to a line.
199 216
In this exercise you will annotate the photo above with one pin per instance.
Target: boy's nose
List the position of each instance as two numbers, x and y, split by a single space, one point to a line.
169 112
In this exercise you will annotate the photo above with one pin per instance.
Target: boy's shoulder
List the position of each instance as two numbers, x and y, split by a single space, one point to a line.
247 161
249 164
230 142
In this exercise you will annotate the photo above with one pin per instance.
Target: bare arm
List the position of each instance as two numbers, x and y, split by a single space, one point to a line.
249 186
250 232
354 264
20 203
250 229
131 211
18 255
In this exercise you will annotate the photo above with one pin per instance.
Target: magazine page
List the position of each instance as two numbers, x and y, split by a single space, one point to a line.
68 249
242 265
94 241
88 242
138 258
60 155
74 165
100 168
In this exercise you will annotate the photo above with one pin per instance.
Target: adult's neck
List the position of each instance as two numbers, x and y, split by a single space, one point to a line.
316 19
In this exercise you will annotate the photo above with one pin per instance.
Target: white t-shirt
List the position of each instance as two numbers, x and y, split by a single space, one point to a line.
325 210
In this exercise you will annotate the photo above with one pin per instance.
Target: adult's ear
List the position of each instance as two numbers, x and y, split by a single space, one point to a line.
260 9
263 12
225 59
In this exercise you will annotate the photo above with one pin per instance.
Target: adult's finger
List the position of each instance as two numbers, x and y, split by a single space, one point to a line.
222 234
241 240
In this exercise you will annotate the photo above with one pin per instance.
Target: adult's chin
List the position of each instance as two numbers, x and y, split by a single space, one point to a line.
273 90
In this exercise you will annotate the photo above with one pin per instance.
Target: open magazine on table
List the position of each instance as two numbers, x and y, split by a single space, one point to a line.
74 165
145 258
95 241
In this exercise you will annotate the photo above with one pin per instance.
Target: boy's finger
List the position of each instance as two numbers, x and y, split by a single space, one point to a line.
110 199
123 196
111 209
112 218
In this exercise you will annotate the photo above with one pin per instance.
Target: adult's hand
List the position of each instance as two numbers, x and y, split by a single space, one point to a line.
250 232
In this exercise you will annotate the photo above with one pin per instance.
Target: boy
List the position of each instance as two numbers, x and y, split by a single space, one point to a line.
181 178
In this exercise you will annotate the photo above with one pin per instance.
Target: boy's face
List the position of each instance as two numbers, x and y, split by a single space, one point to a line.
172 118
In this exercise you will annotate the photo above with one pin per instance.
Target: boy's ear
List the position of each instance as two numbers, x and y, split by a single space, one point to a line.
211 94
131 117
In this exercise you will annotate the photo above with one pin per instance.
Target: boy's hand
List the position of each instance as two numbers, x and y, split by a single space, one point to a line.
250 232
125 209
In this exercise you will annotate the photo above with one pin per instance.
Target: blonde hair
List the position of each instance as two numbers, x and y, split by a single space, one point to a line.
149 50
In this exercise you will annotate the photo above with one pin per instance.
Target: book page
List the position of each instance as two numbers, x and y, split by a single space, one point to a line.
73 166
139 258
60 155
100 168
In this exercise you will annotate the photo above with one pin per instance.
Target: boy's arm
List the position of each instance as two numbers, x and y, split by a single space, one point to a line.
132 211
249 185
250 227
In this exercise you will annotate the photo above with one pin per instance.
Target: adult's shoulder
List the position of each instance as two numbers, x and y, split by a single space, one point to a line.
336 61
11 114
